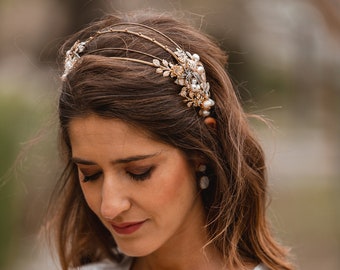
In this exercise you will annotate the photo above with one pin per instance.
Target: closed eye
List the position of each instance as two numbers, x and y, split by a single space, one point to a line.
91 177
144 175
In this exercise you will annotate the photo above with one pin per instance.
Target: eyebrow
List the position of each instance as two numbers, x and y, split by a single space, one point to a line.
117 161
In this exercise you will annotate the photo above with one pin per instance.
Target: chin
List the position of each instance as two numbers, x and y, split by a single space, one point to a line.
136 250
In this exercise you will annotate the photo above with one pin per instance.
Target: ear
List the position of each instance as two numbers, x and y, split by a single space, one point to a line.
210 122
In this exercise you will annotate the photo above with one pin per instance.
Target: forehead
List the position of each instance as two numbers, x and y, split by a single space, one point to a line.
96 134
100 125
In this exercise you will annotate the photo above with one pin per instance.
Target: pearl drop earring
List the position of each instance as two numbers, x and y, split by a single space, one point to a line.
202 168
204 180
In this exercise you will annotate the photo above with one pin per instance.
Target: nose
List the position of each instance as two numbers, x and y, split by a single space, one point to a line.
114 200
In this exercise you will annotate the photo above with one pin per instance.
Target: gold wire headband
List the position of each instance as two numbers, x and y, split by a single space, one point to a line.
189 71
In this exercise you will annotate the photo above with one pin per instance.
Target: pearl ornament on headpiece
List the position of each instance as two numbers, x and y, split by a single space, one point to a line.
188 72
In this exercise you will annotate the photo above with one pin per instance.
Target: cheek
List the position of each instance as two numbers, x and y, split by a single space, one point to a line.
178 187
92 196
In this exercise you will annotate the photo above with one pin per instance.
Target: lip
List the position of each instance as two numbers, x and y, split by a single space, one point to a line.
127 227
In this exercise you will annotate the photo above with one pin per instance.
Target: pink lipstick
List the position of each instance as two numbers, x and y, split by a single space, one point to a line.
127 227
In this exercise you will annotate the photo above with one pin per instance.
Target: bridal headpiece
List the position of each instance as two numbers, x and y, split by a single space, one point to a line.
188 71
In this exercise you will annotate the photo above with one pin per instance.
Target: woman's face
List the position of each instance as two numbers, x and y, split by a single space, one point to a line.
143 191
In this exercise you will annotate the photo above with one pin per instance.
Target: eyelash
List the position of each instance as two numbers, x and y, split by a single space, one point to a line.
136 177
142 176
88 178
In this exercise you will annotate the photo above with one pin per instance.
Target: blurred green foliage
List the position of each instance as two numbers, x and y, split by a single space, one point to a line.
19 119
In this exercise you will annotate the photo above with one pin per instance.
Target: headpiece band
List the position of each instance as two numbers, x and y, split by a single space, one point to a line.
188 72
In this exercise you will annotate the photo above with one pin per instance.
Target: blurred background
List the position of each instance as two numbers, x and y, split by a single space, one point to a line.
284 60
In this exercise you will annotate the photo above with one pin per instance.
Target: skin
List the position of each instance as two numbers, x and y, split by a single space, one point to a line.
133 178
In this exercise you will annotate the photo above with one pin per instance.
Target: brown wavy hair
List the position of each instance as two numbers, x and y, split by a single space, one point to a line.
235 201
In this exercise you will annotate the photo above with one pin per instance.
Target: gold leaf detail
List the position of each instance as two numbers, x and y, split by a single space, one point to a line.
166 73
156 62
165 63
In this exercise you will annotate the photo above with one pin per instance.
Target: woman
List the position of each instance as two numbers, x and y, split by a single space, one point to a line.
162 170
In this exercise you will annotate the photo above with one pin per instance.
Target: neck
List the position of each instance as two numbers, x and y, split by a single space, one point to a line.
185 252
198 260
